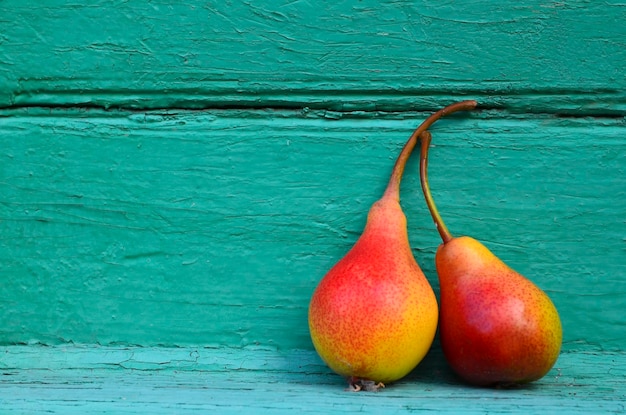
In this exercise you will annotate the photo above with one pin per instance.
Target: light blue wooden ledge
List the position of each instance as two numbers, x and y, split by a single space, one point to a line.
93 380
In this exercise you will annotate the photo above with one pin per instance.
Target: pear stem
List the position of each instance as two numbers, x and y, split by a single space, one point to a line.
445 234
393 188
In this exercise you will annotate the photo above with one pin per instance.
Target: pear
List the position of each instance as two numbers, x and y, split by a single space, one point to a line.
373 316
497 328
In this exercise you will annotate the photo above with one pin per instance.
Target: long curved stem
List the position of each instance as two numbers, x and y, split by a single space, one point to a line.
445 234
393 188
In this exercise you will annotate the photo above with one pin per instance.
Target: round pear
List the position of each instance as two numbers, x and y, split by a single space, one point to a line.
496 326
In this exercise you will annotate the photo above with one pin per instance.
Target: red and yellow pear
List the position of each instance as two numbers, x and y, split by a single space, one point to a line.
496 326
373 316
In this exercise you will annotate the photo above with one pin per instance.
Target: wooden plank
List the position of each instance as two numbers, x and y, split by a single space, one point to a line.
133 380
563 57
213 227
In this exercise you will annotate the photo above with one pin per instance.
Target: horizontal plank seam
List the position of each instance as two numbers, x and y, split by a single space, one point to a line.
600 114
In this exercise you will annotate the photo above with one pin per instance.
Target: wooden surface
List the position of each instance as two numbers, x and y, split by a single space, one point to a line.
539 56
131 380
176 178
213 228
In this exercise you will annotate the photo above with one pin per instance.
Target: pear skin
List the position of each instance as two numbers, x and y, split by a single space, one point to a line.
373 316
496 326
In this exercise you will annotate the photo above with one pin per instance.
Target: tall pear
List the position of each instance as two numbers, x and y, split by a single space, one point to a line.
496 326
373 316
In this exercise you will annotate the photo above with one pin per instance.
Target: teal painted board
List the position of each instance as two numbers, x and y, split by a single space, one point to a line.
539 56
78 380
212 228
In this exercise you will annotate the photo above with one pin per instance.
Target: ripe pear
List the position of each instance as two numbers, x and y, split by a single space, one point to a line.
373 316
496 326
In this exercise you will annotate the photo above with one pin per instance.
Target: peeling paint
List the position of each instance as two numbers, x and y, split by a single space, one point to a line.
392 56
75 379
198 226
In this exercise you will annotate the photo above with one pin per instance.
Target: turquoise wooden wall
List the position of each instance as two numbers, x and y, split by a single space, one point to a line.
184 174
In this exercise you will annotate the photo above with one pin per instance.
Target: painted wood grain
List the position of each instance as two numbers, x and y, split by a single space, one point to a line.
539 56
132 380
212 228
184 174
